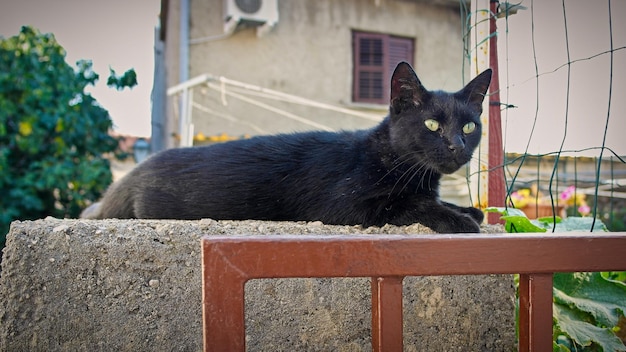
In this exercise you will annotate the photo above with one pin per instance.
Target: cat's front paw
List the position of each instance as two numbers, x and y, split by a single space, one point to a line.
476 214
467 224
463 223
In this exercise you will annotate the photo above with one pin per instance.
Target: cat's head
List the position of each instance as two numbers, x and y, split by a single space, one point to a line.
435 129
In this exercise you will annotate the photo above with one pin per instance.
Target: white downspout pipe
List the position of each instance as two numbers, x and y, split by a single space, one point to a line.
186 136
184 41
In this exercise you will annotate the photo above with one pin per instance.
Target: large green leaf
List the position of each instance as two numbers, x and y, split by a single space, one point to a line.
572 323
518 222
615 275
515 220
571 224
604 299
557 347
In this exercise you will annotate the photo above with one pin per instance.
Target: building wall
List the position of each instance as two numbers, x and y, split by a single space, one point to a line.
309 54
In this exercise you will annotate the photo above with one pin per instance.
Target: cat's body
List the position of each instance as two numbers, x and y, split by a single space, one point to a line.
389 174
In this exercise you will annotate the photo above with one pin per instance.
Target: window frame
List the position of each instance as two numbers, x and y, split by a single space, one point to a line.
389 44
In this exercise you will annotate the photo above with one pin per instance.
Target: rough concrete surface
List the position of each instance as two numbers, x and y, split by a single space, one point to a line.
135 285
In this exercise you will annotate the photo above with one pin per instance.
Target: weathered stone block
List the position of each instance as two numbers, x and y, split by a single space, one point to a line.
135 285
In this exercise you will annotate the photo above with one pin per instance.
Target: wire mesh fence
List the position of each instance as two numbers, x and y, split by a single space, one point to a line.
561 70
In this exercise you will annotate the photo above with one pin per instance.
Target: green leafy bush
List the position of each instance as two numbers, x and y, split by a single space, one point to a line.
587 307
53 134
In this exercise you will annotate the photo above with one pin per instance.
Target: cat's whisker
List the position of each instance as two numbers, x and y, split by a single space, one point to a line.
430 174
418 171
404 173
398 162
408 171
420 166
399 179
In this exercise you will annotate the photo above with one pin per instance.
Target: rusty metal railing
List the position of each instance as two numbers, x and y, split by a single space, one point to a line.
229 261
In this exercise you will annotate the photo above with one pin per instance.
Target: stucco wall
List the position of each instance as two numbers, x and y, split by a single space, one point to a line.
76 285
309 54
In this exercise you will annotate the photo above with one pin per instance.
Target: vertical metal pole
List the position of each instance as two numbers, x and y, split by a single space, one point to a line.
387 314
479 39
183 123
535 312
183 70
158 120
223 304
496 193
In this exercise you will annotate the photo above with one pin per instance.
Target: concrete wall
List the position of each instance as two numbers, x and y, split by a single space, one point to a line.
309 54
70 285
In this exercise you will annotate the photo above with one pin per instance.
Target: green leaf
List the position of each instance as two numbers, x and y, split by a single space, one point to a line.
505 211
571 224
615 275
574 223
570 322
516 223
550 219
515 220
559 347
604 299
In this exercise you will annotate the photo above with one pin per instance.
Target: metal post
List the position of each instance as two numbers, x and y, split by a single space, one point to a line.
496 194
479 39
183 71
183 123
387 314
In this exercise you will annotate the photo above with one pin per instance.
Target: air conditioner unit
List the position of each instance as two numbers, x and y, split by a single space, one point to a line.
261 13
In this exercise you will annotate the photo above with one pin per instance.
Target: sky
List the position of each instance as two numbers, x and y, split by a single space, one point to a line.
113 33
120 34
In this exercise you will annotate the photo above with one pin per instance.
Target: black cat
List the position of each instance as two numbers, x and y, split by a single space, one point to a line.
388 174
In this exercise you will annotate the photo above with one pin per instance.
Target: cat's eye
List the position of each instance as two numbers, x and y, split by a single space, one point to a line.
432 125
469 127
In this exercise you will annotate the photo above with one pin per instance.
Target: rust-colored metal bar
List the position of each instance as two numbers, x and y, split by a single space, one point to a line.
387 314
222 305
495 192
229 261
403 255
535 313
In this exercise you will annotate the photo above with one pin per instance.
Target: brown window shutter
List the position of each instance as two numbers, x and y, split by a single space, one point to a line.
369 67
375 57
400 49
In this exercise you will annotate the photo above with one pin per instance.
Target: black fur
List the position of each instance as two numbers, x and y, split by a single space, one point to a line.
389 174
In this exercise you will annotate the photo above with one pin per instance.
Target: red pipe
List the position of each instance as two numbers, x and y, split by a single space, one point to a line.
496 194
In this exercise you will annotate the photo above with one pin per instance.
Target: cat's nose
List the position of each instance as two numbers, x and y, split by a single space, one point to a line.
456 144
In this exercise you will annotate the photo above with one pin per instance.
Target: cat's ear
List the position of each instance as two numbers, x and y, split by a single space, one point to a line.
474 92
406 89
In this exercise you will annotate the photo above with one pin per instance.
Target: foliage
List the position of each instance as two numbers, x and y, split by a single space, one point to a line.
53 134
588 307
128 79
517 222
616 219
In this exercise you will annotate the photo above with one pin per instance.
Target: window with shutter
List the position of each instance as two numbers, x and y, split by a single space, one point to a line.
375 57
